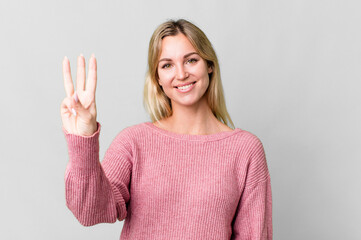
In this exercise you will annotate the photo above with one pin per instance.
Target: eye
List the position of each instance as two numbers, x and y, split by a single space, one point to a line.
192 60
167 65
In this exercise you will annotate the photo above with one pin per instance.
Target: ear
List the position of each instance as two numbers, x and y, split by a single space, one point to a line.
210 70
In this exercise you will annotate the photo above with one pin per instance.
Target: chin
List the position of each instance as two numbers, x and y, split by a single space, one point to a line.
189 102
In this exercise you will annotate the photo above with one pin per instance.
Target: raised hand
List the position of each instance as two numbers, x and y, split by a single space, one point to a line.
78 109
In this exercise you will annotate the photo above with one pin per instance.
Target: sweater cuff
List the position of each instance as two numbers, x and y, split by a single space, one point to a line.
83 150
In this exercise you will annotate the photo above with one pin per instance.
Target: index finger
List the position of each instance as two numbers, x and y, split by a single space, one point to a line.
68 82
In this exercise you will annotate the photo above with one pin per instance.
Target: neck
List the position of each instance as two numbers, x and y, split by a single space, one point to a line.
197 119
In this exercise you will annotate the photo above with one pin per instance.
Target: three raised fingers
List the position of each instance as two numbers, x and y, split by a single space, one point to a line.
80 79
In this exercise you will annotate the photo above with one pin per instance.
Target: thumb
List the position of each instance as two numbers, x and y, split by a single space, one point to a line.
78 108
75 96
74 103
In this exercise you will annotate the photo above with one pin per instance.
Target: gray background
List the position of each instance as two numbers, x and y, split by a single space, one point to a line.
291 75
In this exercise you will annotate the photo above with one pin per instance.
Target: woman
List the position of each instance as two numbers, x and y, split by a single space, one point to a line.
186 174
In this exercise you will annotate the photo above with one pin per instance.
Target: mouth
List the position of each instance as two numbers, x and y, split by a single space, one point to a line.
184 87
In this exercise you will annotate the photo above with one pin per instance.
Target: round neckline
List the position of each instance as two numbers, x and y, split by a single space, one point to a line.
192 137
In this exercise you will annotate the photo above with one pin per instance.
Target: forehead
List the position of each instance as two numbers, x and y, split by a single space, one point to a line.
176 46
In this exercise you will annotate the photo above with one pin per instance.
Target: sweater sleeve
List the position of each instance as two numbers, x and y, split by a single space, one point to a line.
253 218
97 192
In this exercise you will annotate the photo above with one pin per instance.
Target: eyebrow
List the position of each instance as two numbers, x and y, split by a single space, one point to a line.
185 56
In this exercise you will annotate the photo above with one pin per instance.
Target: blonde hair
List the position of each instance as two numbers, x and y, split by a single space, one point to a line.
155 101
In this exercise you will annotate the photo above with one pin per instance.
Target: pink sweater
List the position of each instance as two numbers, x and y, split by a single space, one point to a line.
172 186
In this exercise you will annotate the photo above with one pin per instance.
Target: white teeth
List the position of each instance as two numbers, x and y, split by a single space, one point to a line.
185 87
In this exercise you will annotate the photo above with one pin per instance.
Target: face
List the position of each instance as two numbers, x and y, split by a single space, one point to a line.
183 74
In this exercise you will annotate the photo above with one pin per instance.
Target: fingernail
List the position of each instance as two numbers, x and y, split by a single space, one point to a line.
73 111
75 96
92 55
65 58
81 55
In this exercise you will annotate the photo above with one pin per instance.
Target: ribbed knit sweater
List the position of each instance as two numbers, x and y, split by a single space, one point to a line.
172 186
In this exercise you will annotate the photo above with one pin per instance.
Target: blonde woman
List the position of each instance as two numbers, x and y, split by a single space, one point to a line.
186 174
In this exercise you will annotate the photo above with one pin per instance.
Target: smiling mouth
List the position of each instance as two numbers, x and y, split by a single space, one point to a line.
186 86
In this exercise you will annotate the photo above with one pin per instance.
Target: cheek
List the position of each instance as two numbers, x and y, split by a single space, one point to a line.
201 72
164 77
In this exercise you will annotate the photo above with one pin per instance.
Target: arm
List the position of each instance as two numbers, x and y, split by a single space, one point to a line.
253 218
97 193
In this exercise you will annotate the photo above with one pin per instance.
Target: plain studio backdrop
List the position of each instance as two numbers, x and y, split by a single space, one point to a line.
291 73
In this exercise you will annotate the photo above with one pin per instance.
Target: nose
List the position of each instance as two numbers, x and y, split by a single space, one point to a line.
182 73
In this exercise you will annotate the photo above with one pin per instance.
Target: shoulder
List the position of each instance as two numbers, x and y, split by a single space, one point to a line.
248 141
127 138
250 149
133 132
252 158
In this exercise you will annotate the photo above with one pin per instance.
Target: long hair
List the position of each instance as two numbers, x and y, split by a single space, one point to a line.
155 101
